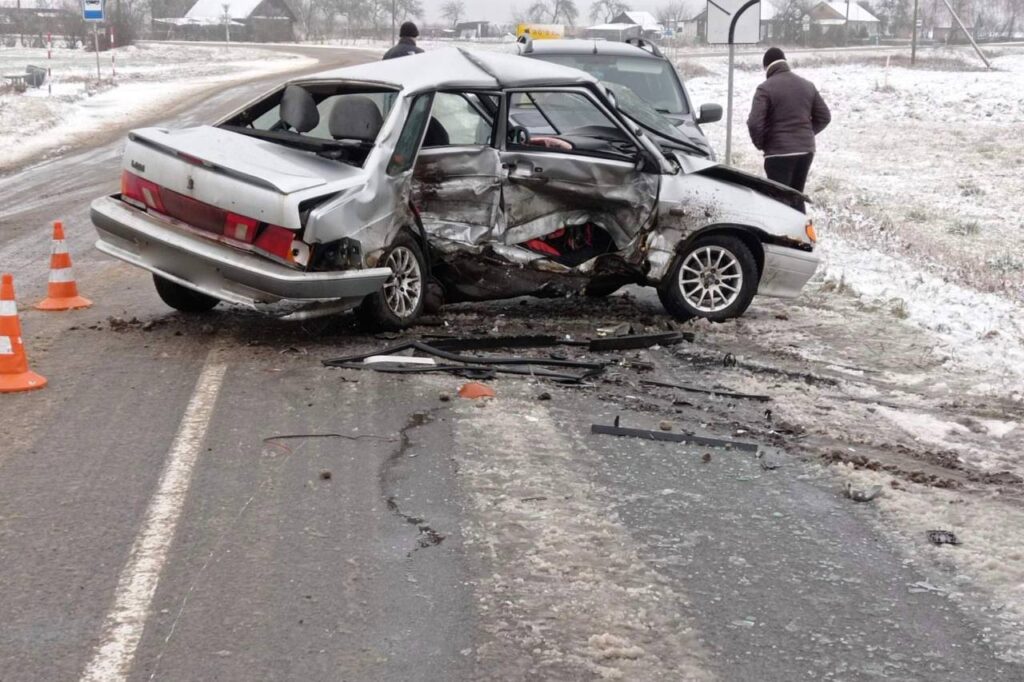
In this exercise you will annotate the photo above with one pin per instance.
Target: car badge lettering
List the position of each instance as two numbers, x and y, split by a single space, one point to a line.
138 166
191 184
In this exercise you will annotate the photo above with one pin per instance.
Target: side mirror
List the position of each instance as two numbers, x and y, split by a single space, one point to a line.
709 113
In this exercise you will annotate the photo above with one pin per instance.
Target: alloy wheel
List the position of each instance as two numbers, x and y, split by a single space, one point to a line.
710 279
404 288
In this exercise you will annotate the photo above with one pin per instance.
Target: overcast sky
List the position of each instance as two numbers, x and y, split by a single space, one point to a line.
501 10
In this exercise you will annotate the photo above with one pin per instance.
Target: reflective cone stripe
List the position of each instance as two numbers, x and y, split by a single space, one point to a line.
14 372
61 291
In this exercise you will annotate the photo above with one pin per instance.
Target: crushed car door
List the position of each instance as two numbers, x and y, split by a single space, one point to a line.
568 162
456 183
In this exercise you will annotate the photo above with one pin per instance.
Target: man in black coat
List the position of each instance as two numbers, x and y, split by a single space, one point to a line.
786 114
406 46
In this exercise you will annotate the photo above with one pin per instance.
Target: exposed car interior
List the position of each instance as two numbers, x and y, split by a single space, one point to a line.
331 120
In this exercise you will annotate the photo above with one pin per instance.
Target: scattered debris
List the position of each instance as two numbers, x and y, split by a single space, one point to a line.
399 360
707 391
769 461
474 390
544 396
621 329
472 367
325 475
639 341
706 458
924 586
729 360
665 426
943 537
444 397
616 430
862 494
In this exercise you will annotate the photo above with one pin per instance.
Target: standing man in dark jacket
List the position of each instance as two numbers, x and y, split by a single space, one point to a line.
786 114
406 46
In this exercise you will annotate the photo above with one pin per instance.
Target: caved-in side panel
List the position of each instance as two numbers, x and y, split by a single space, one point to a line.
544 191
457 191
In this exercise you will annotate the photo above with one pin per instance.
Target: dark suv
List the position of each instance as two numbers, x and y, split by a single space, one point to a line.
636 64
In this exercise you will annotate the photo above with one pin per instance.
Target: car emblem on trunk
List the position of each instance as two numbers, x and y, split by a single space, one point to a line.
138 166
191 184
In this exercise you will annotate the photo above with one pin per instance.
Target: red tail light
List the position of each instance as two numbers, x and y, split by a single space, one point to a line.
271 240
142 191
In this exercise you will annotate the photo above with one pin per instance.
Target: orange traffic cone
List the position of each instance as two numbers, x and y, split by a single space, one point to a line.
14 372
61 292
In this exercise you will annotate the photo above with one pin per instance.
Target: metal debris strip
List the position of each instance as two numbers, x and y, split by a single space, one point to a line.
943 537
862 494
707 391
473 367
610 343
663 436
639 341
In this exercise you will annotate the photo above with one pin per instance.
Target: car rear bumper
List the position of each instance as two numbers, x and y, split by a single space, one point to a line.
173 251
786 270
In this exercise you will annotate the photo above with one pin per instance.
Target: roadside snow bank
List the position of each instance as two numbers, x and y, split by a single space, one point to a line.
72 106
976 331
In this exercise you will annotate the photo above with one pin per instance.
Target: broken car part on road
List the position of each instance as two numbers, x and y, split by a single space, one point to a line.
707 391
663 436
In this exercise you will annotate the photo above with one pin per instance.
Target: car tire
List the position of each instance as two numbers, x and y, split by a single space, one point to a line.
400 303
716 278
182 298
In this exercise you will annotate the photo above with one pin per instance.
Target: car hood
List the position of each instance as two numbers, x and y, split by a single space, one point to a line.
257 162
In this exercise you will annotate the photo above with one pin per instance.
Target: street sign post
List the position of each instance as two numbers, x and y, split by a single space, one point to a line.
732 22
92 11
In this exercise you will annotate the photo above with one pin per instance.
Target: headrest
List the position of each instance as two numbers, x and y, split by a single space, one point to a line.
298 109
355 117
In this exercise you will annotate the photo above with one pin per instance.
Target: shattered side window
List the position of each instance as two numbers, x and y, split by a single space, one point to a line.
456 121
408 142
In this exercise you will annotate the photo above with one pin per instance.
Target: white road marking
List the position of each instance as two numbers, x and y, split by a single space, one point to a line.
112 659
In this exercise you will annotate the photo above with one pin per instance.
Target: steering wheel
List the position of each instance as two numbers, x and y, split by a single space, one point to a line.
518 135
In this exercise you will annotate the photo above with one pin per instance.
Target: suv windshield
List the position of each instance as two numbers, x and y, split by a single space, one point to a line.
652 79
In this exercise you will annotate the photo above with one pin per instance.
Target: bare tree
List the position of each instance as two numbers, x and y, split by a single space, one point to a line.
673 13
453 11
605 11
554 11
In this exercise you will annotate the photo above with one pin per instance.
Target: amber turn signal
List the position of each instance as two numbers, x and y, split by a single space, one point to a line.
811 234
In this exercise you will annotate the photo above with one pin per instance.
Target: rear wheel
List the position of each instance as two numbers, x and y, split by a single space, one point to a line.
715 278
182 298
400 302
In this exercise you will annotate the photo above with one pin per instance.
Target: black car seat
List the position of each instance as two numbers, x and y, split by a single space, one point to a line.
298 109
355 117
436 135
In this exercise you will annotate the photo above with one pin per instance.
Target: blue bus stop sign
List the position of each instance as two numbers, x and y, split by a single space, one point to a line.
92 10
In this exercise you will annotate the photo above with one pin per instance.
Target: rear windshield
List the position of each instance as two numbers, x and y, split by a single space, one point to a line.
652 79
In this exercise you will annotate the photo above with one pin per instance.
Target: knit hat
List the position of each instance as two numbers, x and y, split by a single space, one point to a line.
772 54
408 30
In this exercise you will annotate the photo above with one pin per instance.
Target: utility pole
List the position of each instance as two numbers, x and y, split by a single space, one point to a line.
394 16
913 38
227 22
732 67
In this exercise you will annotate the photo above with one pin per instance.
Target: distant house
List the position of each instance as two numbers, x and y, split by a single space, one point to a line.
33 19
471 30
696 28
650 27
832 17
255 20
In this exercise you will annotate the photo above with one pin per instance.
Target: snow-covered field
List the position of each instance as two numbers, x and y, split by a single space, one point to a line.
73 107
919 186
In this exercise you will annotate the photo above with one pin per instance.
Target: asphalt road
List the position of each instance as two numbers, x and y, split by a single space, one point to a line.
153 527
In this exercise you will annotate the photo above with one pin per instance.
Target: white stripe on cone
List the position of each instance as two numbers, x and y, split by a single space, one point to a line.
6 347
60 275
59 246
8 309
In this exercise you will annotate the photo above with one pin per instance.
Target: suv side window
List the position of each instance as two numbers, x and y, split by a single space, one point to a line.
408 141
455 120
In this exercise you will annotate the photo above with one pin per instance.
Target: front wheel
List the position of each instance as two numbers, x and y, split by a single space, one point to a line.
182 298
400 302
715 278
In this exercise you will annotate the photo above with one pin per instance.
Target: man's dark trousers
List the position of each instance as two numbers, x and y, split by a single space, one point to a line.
789 170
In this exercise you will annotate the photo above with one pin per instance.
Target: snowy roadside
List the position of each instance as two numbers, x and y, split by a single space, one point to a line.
919 184
149 79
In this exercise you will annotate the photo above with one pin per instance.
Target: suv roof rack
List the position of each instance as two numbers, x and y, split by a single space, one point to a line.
644 44
524 44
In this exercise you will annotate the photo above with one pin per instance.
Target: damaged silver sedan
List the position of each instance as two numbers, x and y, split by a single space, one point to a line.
399 185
